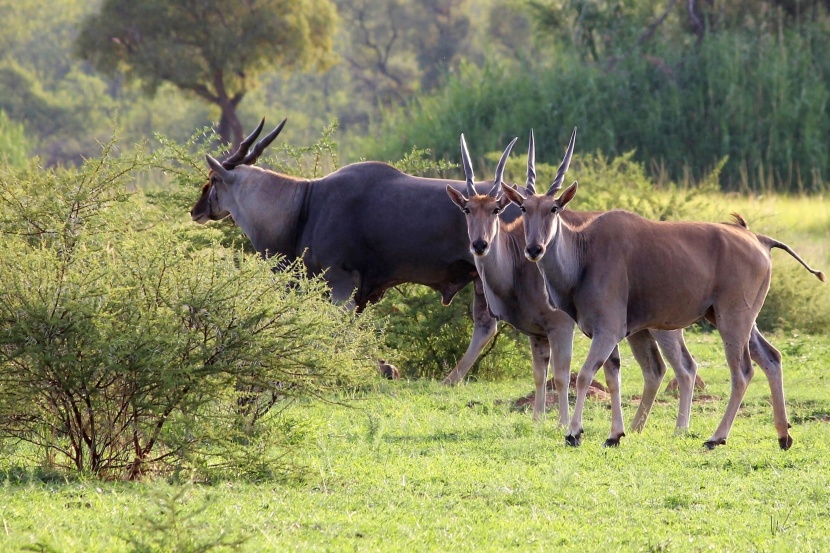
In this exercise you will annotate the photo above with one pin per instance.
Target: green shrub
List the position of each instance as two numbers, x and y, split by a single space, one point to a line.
796 300
124 349
14 147
426 340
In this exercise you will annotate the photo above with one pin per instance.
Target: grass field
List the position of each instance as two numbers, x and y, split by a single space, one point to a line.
414 466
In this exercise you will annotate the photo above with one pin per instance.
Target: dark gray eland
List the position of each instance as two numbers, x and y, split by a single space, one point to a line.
365 227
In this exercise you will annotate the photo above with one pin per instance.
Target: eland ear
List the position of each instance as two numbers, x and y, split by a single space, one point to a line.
457 197
567 195
219 169
512 194
502 201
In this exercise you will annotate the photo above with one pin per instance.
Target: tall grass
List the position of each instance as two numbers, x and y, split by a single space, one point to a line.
759 100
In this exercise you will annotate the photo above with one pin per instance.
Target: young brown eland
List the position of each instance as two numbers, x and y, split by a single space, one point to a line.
515 292
619 273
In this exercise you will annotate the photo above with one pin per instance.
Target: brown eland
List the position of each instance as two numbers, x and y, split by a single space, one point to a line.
365 228
619 273
515 292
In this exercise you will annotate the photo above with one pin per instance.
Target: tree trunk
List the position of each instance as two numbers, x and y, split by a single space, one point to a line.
230 128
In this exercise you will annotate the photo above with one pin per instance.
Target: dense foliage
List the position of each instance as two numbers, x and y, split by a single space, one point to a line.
759 102
682 84
14 147
127 347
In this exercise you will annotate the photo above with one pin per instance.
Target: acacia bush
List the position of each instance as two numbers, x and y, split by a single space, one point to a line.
124 348
426 339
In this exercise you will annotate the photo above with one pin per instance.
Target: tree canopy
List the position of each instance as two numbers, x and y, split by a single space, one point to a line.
211 48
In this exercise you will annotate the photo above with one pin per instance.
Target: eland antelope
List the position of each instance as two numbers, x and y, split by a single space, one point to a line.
365 228
515 292
619 273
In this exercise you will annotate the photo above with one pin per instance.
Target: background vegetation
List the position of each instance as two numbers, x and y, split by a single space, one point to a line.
684 85
131 342
135 344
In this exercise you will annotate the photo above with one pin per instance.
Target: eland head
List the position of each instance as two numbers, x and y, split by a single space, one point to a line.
482 210
542 210
212 204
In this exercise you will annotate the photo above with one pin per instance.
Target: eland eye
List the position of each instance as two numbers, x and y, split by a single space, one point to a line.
496 211
523 209
465 210
554 209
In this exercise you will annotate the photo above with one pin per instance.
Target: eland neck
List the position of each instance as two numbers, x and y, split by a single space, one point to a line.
498 267
562 263
268 207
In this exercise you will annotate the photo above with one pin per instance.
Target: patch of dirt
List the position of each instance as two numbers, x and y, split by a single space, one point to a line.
658 401
596 391
696 398
599 392
671 387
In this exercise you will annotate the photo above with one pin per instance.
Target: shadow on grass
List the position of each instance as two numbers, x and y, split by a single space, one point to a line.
439 437
809 411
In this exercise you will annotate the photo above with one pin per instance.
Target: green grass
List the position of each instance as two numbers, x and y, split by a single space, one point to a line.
414 466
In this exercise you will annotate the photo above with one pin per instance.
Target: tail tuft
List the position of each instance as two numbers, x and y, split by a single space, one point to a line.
820 276
739 220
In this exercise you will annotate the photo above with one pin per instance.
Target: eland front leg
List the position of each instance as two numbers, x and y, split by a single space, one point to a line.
614 383
674 348
602 348
560 341
540 351
484 328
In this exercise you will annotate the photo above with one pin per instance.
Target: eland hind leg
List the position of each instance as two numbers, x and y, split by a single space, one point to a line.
735 336
645 351
677 354
769 359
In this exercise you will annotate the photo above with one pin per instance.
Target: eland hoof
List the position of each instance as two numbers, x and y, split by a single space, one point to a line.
574 441
712 444
786 442
613 442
